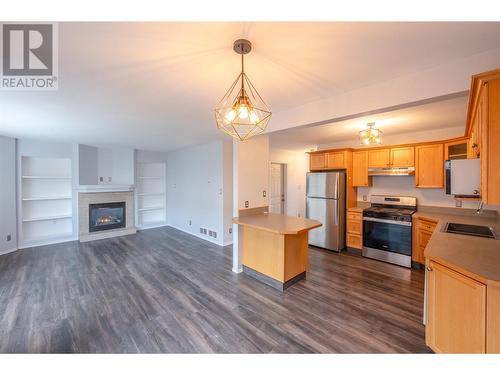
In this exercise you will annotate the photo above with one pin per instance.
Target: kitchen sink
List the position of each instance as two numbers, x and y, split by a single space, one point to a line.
470 230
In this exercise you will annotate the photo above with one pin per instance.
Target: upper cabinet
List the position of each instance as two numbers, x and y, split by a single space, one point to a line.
429 166
360 169
402 157
379 158
317 161
460 149
336 159
483 127
395 157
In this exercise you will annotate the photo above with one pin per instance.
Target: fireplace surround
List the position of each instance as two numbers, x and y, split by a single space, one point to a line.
113 213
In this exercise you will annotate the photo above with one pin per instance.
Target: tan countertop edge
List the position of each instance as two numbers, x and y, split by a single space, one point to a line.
476 257
276 223
360 206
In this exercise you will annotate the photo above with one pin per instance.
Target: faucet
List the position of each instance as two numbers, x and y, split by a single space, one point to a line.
479 208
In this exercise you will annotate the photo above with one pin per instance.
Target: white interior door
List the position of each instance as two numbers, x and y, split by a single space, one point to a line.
277 188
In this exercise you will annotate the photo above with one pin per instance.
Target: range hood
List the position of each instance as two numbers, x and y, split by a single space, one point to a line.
405 171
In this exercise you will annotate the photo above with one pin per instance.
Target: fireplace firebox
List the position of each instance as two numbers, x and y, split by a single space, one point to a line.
105 216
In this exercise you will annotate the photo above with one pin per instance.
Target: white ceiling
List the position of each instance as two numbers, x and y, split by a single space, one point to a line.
154 85
442 114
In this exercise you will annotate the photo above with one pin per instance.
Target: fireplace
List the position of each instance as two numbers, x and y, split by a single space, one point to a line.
105 216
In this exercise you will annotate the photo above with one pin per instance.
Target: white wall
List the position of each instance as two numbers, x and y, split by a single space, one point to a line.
8 213
87 165
195 190
409 137
253 171
227 190
123 166
297 165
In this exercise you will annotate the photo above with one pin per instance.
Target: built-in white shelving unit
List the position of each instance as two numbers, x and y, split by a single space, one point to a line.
151 195
46 200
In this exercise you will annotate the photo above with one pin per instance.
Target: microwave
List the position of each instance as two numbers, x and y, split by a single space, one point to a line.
462 177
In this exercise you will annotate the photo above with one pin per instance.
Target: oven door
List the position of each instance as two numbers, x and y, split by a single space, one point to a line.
389 239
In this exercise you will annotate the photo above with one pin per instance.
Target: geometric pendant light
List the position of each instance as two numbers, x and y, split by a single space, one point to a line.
242 113
370 136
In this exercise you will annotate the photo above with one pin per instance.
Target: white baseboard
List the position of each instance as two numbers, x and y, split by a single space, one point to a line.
228 243
152 226
238 270
206 238
47 242
2 252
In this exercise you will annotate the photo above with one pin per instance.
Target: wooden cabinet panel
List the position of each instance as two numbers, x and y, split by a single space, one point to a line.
422 232
490 143
354 227
336 160
317 161
493 320
429 166
354 241
379 158
354 216
456 312
402 157
360 169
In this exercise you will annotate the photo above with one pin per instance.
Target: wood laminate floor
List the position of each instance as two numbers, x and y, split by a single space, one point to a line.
162 290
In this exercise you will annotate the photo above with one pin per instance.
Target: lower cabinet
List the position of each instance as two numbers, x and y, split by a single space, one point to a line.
422 232
354 229
456 311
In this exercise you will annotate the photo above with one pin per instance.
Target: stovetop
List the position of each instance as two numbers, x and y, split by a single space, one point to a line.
391 213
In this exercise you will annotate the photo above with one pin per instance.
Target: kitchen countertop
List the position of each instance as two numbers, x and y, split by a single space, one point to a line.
360 206
476 257
277 223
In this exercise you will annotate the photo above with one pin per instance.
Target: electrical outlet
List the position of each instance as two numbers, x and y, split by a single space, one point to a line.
189 222
230 230
109 179
458 203
264 193
9 238
246 204
365 198
101 179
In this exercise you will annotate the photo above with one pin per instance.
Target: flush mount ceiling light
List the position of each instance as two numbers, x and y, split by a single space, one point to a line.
242 113
370 136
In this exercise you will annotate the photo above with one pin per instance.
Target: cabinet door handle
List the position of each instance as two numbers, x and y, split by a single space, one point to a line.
429 268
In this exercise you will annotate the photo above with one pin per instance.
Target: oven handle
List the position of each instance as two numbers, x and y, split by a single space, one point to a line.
405 223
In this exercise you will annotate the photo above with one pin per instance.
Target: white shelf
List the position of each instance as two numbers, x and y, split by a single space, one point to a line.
151 194
151 208
45 218
47 198
45 213
47 177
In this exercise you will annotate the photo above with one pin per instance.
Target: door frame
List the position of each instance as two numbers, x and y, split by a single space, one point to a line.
283 184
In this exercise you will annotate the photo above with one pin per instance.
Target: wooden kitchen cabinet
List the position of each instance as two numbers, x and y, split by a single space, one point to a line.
317 161
379 158
456 311
429 166
354 229
402 157
360 169
336 160
483 127
460 149
422 232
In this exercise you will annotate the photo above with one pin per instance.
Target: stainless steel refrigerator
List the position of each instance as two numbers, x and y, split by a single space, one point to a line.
326 203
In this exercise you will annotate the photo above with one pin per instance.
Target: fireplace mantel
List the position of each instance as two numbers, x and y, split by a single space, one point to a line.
104 188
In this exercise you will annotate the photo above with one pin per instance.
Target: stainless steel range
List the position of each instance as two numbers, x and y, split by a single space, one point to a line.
387 229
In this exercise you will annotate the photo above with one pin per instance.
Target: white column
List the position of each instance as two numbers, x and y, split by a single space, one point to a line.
237 268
